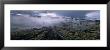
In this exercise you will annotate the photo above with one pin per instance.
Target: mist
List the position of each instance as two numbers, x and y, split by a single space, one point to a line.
38 19
27 21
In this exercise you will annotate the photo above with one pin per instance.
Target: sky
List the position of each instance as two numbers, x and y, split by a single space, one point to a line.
68 13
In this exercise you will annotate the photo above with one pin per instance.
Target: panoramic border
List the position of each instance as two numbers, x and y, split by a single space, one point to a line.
2 2
56 43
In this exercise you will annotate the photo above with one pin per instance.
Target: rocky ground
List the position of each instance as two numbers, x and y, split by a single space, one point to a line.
65 31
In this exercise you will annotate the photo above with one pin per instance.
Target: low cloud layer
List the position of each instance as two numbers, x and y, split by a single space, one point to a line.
29 21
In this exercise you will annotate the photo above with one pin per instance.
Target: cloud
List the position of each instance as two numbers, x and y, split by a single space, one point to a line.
93 15
30 22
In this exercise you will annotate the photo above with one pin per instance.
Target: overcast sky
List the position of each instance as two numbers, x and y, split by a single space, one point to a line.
68 13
